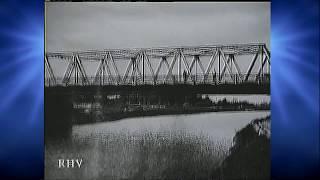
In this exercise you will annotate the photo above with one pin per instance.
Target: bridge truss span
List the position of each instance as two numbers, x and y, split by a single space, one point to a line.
209 64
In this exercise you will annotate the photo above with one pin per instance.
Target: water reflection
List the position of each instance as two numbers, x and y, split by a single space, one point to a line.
216 125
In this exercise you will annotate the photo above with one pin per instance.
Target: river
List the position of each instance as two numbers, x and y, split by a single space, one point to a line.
151 147
215 125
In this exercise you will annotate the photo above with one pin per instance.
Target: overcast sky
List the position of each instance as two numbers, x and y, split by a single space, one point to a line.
81 26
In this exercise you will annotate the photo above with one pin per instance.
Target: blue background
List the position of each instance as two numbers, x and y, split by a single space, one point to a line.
294 88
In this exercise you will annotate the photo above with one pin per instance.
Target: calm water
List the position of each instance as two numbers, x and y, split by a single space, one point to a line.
214 125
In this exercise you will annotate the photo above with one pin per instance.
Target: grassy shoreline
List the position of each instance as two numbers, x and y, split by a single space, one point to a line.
249 157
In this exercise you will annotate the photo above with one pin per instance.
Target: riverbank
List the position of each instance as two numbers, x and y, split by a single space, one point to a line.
62 110
249 157
137 105
91 118
221 88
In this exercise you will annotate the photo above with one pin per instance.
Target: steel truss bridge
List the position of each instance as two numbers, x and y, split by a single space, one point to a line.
182 65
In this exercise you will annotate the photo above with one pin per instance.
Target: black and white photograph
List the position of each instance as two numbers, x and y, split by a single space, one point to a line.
157 90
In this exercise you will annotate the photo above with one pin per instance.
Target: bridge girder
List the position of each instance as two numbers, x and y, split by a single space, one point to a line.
139 62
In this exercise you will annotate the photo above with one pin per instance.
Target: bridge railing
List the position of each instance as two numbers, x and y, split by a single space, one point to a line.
211 79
